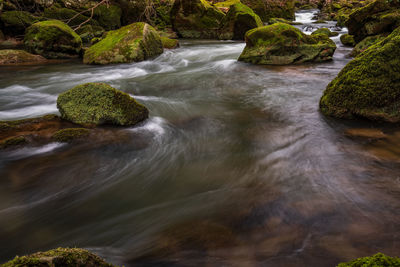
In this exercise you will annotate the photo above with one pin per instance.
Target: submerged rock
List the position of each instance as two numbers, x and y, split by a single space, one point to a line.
368 86
11 57
282 44
196 19
325 31
12 142
378 259
70 134
380 16
59 257
132 43
98 103
347 40
52 39
239 19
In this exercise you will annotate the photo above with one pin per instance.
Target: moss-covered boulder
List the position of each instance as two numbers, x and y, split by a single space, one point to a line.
282 44
88 32
132 43
70 135
325 31
368 86
58 258
169 43
52 39
347 40
108 16
366 43
268 9
378 260
10 57
380 16
98 103
239 19
16 22
196 19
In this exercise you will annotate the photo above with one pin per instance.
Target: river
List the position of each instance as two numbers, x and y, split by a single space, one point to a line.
236 166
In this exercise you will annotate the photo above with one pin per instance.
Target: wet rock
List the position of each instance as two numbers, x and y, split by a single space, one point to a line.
12 142
283 44
347 40
11 57
378 259
52 39
15 22
196 19
380 16
169 43
98 103
70 134
132 43
239 19
325 31
366 43
368 86
59 257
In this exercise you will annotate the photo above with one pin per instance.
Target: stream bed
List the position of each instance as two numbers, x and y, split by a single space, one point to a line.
236 166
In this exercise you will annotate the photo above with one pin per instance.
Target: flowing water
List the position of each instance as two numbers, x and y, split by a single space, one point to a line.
236 166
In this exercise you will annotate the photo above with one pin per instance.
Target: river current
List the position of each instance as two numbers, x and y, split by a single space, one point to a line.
236 166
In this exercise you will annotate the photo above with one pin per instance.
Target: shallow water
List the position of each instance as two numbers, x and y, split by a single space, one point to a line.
235 166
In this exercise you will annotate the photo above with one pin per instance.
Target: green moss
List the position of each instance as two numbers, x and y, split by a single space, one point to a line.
281 20
99 103
12 141
227 3
369 85
88 32
268 9
169 43
377 260
281 44
70 134
347 39
66 14
9 56
239 19
52 39
325 31
109 17
59 257
15 22
135 42
366 43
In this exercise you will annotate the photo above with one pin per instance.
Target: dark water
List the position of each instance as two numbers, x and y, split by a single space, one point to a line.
236 166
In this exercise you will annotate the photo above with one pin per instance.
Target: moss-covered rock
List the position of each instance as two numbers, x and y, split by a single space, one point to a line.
369 86
281 20
9 56
70 134
97 104
196 19
58 258
325 31
88 32
378 260
108 16
132 43
15 22
347 40
239 19
282 44
52 39
366 43
169 43
12 142
69 16
268 9
380 16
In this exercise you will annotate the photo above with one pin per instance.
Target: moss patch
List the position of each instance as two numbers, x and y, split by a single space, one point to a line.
325 31
366 43
135 42
347 40
282 44
369 85
169 43
52 39
377 260
70 134
98 103
59 257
